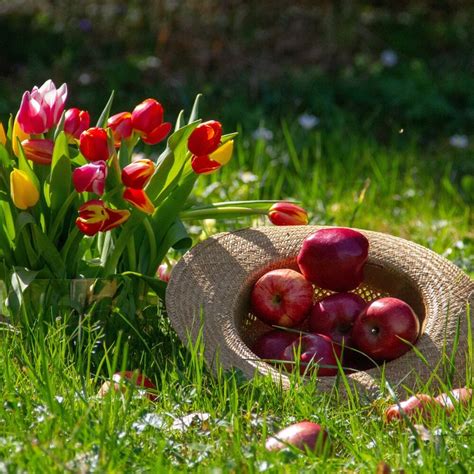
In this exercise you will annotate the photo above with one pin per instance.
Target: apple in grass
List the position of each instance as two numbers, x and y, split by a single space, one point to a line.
316 352
282 297
303 435
386 329
334 258
334 316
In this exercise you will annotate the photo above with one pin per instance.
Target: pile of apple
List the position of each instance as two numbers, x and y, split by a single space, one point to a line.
341 327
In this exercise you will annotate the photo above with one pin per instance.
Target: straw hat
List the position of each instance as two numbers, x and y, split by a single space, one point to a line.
210 289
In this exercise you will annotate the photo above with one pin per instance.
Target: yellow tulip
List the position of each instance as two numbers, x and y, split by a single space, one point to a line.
18 134
3 136
224 153
23 191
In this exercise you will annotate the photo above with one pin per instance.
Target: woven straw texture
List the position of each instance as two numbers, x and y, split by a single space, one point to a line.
210 289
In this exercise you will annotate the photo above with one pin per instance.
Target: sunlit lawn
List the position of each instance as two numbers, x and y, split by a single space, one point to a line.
52 420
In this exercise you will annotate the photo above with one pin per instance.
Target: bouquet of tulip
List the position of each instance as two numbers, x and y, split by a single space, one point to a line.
77 203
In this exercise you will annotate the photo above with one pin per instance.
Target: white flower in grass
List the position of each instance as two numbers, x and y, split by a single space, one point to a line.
459 141
308 121
247 177
389 58
262 133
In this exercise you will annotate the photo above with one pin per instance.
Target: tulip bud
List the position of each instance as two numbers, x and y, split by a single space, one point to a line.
90 177
136 174
38 150
205 138
94 144
147 120
75 122
121 126
164 271
23 191
41 108
139 199
287 213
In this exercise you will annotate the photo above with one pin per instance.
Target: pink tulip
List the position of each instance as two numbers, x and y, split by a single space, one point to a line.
41 108
76 121
90 177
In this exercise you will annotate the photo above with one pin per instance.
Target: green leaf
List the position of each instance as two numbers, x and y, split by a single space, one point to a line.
61 174
195 109
170 164
5 160
229 136
49 253
177 237
158 286
60 126
21 279
179 121
104 116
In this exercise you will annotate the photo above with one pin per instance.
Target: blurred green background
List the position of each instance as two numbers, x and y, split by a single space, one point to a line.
373 67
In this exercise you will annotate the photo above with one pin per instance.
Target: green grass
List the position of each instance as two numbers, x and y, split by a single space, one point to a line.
51 419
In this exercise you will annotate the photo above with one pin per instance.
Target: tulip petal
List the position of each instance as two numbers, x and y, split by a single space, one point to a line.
90 177
3 136
139 199
204 165
136 174
158 134
224 153
115 218
205 138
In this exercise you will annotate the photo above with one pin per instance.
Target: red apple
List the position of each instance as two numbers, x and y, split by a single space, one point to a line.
419 405
378 331
303 435
314 349
334 258
272 344
334 316
456 397
282 297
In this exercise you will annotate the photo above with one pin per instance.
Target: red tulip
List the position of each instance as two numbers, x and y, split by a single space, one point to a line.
75 122
38 150
41 108
94 144
147 120
121 126
90 177
95 216
139 199
286 213
205 138
136 174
